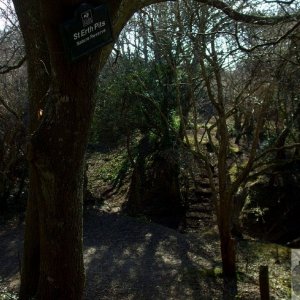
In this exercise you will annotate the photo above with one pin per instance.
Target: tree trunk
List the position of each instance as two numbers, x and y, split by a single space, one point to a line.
228 246
60 118
38 67
60 209
31 255
53 238
228 254
57 161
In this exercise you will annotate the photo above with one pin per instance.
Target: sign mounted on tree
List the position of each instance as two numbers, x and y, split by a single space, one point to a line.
87 31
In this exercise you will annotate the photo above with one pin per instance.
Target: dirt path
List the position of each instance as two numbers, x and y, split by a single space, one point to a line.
126 259
11 236
129 259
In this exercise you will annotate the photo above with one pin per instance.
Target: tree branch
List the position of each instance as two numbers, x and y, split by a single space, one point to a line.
9 109
270 43
250 19
7 69
129 7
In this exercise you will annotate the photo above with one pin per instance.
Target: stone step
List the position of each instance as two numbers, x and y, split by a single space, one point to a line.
198 224
201 207
198 215
203 193
199 200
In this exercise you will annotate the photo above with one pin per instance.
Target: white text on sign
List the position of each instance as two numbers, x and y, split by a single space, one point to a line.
88 30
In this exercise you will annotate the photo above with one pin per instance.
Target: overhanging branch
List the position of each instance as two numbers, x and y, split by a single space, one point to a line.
234 14
7 69
8 108
269 43
250 19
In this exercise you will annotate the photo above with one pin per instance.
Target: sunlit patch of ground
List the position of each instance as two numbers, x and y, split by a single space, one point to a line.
130 259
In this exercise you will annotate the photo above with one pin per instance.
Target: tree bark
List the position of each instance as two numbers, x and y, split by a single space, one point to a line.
228 254
60 116
38 83
31 255
228 251
224 218
57 161
54 215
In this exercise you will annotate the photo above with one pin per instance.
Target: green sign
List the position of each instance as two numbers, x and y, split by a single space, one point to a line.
87 31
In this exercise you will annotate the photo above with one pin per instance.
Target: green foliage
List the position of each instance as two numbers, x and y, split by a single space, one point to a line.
119 108
175 121
135 96
109 171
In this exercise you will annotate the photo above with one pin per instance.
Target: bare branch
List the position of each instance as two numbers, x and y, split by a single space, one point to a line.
271 43
268 167
280 2
129 7
250 19
8 108
7 69
291 146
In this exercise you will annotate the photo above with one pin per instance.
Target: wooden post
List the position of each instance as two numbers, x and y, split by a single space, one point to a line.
264 283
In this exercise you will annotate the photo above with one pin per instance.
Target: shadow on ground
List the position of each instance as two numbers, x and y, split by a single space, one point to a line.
130 259
11 244
127 259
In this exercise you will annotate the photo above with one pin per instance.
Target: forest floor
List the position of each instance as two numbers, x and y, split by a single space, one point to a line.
129 258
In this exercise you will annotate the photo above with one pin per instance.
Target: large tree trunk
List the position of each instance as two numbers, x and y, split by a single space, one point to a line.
57 158
56 155
60 217
53 237
31 256
38 83
60 117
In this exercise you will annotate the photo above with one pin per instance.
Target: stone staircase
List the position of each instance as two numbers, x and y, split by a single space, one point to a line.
199 209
